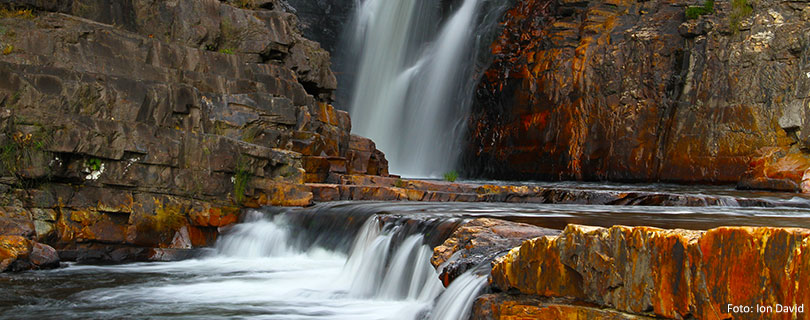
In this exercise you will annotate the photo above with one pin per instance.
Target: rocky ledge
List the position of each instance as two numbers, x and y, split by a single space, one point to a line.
635 273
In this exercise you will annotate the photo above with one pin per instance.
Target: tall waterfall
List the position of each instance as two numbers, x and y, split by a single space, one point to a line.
414 80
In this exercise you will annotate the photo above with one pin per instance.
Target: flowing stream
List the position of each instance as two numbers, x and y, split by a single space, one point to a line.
264 268
341 260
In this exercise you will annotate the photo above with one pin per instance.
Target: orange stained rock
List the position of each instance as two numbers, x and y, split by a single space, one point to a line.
514 311
214 216
327 114
280 194
667 273
13 248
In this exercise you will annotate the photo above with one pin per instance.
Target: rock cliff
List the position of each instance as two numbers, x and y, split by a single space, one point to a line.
637 91
133 128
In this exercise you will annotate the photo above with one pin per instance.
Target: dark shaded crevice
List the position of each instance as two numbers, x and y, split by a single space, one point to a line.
675 87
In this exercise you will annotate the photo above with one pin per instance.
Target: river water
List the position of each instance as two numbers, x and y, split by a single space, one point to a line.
342 260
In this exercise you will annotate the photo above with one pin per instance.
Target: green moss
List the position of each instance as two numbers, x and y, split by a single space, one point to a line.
740 9
451 176
169 216
226 51
399 183
693 12
250 134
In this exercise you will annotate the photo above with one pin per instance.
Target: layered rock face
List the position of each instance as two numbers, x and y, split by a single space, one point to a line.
674 274
635 91
138 124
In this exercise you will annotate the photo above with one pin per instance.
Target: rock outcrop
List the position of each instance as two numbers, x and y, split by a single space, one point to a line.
675 274
778 169
139 124
636 91
479 241
18 253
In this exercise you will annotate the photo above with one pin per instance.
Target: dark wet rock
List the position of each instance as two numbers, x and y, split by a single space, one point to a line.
44 256
478 241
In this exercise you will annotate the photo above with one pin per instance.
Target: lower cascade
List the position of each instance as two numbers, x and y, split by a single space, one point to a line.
388 267
270 267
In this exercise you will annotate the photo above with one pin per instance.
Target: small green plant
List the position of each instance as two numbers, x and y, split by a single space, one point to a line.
693 12
93 164
241 177
740 9
226 51
399 183
451 176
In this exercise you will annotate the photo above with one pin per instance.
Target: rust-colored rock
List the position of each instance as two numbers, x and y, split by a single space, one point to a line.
325 192
90 225
280 194
18 253
776 169
666 273
508 307
13 248
213 216
317 169
364 158
619 90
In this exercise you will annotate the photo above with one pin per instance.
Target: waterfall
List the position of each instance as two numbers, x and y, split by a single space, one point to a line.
387 267
256 238
413 84
457 300
402 273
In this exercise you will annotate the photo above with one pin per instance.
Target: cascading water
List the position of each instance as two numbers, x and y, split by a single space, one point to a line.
414 80
310 263
388 269
457 301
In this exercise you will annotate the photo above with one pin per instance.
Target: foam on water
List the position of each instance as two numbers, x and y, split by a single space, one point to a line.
259 272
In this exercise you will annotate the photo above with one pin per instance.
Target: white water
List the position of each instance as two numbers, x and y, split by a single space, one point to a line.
410 92
260 272
457 300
